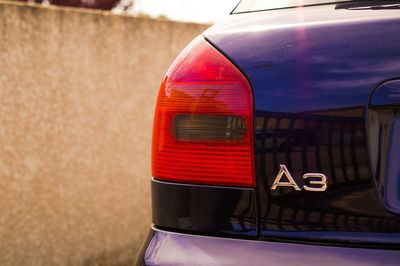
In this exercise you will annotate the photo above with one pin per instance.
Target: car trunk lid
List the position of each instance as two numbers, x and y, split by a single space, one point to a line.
312 72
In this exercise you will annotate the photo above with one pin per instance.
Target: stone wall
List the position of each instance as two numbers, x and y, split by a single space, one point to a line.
77 92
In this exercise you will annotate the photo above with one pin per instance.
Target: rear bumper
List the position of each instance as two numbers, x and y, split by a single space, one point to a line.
168 248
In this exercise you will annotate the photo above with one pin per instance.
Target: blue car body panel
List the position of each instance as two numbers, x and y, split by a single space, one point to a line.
167 248
306 59
313 71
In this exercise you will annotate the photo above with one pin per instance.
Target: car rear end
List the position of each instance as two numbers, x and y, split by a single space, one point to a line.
276 140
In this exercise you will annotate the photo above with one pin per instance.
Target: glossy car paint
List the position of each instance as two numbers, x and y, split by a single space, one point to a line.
384 142
312 71
387 95
324 85
166 248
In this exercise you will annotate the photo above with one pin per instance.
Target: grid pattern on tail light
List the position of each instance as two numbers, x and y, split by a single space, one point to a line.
185 160
202 160
203 83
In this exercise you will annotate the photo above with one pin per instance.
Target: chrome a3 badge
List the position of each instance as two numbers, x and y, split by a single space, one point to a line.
319 181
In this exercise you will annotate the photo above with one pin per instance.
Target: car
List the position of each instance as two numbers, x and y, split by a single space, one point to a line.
276 139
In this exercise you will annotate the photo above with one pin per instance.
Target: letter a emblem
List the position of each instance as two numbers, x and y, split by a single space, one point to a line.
291 183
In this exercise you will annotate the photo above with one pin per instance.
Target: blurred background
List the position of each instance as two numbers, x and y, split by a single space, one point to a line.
77 92
205 11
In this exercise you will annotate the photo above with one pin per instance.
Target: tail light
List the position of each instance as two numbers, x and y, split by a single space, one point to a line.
203 124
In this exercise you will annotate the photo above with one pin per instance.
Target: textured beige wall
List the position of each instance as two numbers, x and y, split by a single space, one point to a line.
77 91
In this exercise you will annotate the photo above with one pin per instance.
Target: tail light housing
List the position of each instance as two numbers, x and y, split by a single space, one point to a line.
203 123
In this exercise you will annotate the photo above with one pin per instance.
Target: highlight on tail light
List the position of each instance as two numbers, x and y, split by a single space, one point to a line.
203 122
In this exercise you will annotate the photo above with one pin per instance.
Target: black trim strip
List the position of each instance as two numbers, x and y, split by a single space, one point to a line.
212 209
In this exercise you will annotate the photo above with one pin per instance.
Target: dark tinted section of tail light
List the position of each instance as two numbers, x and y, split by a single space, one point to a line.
203 124
208 127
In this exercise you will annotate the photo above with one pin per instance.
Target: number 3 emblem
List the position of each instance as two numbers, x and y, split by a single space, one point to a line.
319 181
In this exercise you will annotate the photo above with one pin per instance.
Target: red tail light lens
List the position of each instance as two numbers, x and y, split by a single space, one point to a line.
203 124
